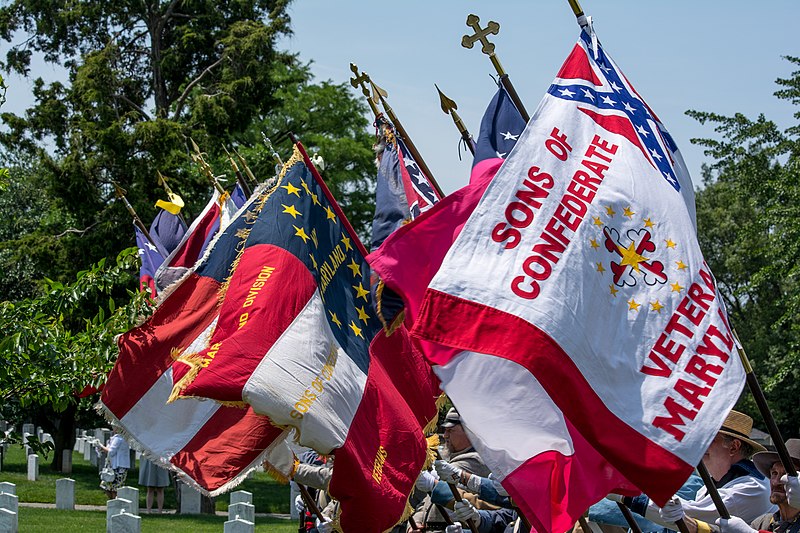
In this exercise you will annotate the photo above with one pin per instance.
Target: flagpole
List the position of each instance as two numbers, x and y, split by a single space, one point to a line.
632 523
197 157
766 413
449 107
712 491
379 94
162 180
239 176
310 503
457 496
493 28
120 193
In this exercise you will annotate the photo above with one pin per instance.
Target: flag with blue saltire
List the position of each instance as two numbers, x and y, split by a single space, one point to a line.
598 290
238 196
296 339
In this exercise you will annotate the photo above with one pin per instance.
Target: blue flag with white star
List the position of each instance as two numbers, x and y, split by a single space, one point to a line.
151 259
500 128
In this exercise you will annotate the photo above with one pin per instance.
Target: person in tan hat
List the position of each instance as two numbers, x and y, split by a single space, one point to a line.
787 518
744 490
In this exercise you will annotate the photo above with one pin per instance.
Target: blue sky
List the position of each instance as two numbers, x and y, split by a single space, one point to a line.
705 55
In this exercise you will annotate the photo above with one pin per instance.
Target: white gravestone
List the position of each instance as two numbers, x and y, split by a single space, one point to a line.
33 467
242 510
9 506
239 526
125 523
190 500
65 494
28 428
241 496
8 488
115 507
87 450
8 521
132 494
66 461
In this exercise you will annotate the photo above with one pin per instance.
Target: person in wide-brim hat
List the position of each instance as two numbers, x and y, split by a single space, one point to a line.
739 426
764 460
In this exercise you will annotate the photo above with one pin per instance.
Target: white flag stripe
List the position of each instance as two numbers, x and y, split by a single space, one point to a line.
508 438
318 394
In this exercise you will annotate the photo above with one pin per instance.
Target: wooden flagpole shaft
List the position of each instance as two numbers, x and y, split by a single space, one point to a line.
712 491
512 92
136 220
584 524
766 413
409 143
310 503
629 518
444 513
457 496
576 8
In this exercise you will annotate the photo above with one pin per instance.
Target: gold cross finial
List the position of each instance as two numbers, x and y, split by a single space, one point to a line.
468 41
361 80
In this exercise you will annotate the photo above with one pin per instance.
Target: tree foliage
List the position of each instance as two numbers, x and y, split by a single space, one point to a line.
749 227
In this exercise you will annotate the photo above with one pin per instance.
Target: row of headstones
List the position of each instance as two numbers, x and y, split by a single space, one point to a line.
122 513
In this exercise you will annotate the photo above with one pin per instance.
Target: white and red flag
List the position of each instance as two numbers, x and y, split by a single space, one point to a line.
573 321
216 216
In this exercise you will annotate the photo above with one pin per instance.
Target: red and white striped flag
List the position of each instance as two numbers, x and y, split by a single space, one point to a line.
212 447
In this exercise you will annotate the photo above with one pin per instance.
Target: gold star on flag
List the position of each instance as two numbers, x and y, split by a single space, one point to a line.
250 216
362 314
676 287
670 243
314 198
356 329
355 267
681 265
597 221
649 223
610 211
346 242
594 243
291 189
313 261
335 319
613 290
600 268
305 187
331 215
361 292
300 232
290 210
656 306
633 306
242 233
628 212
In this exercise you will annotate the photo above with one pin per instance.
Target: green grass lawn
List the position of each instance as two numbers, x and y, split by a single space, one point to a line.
33 520
269 496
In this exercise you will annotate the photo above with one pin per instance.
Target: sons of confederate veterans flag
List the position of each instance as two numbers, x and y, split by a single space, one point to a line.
211 446
298 341
573 322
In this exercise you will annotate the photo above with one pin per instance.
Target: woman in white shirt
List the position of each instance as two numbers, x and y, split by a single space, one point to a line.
119 458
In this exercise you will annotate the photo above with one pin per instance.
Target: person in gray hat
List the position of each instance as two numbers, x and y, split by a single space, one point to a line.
787 518
462 457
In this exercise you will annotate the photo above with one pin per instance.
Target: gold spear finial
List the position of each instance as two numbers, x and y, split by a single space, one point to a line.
360 80
205 168
120 193
449 107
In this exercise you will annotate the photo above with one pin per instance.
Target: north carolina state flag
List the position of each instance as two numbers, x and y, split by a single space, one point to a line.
573 321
